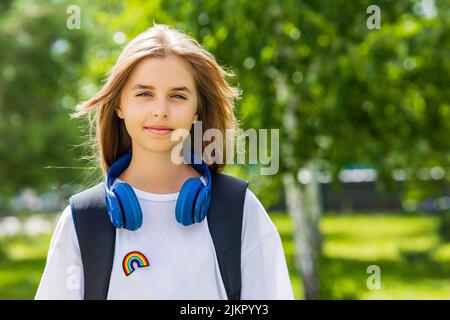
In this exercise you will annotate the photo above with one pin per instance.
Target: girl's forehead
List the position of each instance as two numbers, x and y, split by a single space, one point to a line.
162 72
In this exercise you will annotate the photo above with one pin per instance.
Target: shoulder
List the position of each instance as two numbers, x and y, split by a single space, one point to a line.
95 190
65 219
90 200
228 181
256 225
225 188
64 232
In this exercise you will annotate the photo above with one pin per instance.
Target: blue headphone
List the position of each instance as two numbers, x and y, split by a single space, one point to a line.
123 206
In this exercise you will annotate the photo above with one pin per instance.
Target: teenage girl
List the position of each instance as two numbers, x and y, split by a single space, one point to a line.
164 80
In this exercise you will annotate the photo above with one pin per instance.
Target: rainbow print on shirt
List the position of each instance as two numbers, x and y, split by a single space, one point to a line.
134 258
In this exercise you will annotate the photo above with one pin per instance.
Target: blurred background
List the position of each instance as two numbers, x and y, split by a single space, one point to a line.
359 93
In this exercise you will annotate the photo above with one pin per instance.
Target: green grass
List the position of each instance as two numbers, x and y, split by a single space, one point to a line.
22 261
414 263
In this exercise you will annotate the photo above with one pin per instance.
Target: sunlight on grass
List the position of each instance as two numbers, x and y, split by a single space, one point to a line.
28 247
422 289
414 263
442 253
22 266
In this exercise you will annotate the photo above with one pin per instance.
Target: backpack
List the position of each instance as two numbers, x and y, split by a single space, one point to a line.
96 234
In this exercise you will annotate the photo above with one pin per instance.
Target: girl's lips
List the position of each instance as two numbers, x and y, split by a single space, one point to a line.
159 132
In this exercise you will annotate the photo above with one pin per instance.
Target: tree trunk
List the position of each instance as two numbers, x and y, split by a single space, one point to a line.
313 206
303 201
305 234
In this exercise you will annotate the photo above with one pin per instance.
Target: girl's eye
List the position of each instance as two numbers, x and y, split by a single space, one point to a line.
180 96
147 94
143 94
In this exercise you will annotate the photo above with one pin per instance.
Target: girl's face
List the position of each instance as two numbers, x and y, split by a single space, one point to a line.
158 92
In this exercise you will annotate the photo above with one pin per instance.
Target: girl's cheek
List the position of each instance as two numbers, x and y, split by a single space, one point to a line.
136 114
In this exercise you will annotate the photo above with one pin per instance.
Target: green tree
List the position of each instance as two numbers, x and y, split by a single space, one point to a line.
39 63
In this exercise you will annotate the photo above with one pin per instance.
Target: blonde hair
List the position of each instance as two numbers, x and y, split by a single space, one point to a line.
215 96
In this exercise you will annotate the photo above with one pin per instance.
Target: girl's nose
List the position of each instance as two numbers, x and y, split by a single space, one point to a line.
159 114
160 109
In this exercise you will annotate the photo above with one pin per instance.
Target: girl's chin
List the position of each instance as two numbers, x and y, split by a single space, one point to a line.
157 147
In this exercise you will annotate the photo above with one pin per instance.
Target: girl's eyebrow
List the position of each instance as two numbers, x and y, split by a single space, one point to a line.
145 86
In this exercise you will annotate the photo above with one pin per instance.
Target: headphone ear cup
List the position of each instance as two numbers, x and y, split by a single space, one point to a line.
184 209
201 205
131 209
114 209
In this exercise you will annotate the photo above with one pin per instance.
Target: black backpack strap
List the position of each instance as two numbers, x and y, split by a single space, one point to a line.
96 237
225 225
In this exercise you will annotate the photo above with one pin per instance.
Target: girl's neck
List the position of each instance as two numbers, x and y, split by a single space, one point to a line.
156 173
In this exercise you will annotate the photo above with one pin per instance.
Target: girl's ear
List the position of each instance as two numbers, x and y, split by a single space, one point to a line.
195 118
119 112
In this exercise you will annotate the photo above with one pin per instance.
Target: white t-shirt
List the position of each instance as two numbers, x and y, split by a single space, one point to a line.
182 260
